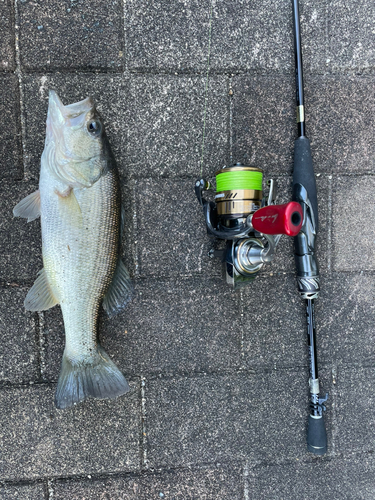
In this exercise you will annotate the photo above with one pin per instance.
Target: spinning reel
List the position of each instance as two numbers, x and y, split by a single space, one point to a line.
250 223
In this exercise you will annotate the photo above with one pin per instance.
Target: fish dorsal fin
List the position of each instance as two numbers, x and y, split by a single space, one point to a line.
40 296
29 207
119 292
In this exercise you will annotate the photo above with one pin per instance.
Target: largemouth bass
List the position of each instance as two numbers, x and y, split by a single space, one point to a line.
80 208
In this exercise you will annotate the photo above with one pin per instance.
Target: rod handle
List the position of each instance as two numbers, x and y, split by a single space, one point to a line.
279 219
316 435
303 173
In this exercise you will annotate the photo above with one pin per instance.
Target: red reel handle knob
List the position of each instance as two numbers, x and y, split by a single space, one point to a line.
279 219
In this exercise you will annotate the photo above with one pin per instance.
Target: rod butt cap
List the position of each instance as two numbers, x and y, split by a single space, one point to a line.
316 436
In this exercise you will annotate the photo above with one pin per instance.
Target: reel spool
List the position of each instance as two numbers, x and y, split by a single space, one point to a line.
250 224
238 191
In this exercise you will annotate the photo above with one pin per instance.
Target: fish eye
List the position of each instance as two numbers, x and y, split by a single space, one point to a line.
94 127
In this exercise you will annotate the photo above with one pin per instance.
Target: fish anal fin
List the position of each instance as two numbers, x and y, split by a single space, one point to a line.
40 296
119 292
29 207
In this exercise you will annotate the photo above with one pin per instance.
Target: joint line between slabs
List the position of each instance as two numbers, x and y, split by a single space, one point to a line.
18 73
144 460
329 225
206 89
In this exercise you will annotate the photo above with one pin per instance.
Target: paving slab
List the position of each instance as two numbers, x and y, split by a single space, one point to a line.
258 416
171 233
21 247
71 35
37 440
346 318
10 144
29 492
169 327
355 422
275 324
353 229
205 484
264 126
171 36
178 126
18 338
7 57
347 479
340 118
174 327
351 35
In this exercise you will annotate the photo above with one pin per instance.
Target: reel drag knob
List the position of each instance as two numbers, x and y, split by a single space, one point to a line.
279 219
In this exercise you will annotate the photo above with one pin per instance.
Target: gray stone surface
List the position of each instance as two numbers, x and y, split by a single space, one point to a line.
355 421
10 144
181 332
57 35
340 112
351 36
345 314
171 234
170 36
264 122
204 484
353 224
7 59
38 440
18 338
21 248
264 126
254 416
28 492
274 324
347 479
167 117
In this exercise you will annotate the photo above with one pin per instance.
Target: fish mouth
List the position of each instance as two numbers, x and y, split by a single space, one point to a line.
70 110
74 114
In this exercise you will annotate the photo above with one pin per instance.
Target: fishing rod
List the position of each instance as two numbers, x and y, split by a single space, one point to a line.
304 192
251 224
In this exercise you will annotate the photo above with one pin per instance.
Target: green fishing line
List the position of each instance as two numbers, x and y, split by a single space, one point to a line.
233 180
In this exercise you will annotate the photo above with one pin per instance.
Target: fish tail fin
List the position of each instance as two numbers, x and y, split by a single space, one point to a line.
98 378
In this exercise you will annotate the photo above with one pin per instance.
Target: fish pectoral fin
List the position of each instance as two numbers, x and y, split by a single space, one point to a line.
40 296
29 207
69 206
119 292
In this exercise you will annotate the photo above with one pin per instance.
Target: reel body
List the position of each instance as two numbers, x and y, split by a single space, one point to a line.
250 224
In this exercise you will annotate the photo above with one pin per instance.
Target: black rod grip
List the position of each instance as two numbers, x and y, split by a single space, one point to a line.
316 435
303 172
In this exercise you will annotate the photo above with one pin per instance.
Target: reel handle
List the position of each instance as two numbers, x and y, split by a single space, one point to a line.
279 219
